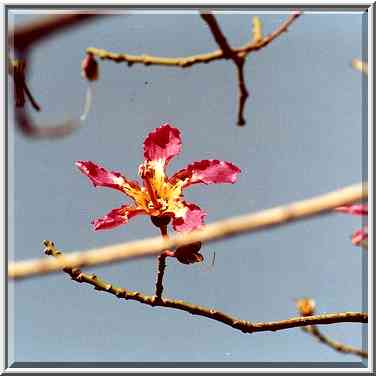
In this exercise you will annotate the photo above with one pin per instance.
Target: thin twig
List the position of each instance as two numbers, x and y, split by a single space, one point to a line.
237 55
243 325
25 36
188 61
219 37
161 267
22 39
338 346
160 274
27 126
17 69
242 90
237 58
252 222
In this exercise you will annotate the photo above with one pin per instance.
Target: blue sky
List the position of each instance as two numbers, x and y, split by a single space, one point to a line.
303 137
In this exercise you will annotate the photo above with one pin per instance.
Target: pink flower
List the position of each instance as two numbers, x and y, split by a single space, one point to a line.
160 197
359 237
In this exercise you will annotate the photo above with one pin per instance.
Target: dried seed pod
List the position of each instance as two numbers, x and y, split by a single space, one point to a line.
189 254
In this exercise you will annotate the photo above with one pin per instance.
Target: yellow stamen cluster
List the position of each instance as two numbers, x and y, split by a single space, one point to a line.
160 196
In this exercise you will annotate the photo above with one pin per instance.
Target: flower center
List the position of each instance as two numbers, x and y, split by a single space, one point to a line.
147 176
162 196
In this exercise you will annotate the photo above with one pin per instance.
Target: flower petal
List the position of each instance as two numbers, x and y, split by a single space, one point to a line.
359 236
360 209
111 179
210 171
190 218
116 217
162 144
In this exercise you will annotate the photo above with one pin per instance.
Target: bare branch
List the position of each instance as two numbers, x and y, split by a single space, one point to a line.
22 40
222 229
306 307
27 126
24 36
160 274
237 55
255 46
161 267
219 37
237 58
188 61
243 325
242 89
338 346
17 69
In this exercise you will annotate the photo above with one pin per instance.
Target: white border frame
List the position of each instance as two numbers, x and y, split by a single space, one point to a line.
370 189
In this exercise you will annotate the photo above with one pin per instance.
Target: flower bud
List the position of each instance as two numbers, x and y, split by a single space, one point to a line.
89 67
188 254
306 306
159 221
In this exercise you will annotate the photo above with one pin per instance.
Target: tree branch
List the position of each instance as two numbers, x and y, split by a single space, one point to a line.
338 346
24 36
242 325
222 229
242 90
237 55
306 308
161 267
219 37
22 40
237 58
27 126
188 61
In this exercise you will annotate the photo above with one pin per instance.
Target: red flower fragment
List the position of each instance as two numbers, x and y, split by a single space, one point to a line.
360 209
89 67
359 237
160 196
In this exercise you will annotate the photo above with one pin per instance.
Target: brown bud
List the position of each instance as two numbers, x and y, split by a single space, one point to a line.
160 221
306 306
89 67
189 254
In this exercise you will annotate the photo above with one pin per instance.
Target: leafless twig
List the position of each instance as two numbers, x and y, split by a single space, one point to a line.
237 58
222 229
242 325
24 37
335 345
161 267
306 308
22 40
238 55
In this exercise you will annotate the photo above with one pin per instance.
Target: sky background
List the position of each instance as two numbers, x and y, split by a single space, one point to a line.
303 138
